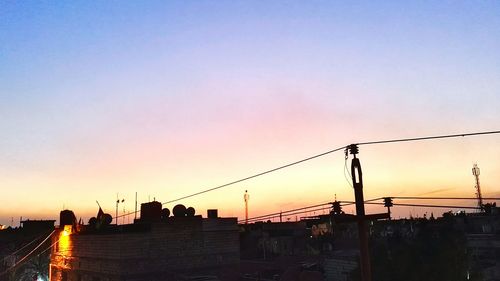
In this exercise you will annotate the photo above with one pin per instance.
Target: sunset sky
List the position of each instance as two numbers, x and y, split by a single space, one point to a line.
167 98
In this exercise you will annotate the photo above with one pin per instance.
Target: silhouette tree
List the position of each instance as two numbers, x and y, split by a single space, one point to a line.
36 268
434 252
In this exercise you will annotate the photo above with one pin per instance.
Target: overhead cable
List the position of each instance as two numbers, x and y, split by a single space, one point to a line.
320 155
27 255
429 138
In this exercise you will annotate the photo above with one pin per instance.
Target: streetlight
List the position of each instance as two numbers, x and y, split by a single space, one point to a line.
118 201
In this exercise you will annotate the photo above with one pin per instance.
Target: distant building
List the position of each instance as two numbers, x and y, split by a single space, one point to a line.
38 225
483 242
265 240
16 243
168 249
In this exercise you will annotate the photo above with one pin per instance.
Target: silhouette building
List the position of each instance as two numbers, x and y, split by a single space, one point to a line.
155 247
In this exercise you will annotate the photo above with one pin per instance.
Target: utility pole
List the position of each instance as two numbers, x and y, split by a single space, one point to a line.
357 181
123 218
388 203
135 212
246 197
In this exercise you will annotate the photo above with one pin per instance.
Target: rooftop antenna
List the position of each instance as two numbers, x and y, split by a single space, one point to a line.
118 201
123 218
476 172
135 213
246 197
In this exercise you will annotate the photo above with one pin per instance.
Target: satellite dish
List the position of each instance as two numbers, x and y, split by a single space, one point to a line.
107 219
165 213
179 210
190 212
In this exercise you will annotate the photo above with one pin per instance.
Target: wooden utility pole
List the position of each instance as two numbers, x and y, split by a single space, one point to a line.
357 181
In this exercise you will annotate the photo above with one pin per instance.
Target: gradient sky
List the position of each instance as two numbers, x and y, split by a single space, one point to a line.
168 98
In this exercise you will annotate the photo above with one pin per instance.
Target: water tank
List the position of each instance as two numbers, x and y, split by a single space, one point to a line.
67 217
151 211
212 213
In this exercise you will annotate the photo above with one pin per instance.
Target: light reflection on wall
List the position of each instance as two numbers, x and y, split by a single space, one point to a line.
60 260
65 245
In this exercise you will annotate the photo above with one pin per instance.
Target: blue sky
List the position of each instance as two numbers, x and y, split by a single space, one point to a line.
119 96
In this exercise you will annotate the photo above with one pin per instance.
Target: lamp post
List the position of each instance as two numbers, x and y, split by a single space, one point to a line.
118 201
246 197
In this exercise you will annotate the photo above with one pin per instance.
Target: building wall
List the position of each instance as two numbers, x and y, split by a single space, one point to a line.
485 253
273 239
483 243
181 245
339 268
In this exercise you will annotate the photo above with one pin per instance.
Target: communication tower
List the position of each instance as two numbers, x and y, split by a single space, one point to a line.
476 172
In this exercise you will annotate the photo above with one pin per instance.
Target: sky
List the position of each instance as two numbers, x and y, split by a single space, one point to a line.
167 98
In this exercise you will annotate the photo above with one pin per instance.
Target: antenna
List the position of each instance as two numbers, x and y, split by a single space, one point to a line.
476 172
118 201
135 213
123 218
246 197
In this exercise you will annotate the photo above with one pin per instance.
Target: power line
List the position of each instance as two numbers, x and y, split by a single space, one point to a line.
426 206
249 177
425 198
430 137
374 199
288 214
346 203
412 205
23 247
287 211
323 154
27 255
331 151
52 245
257 175
306 209
442 198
